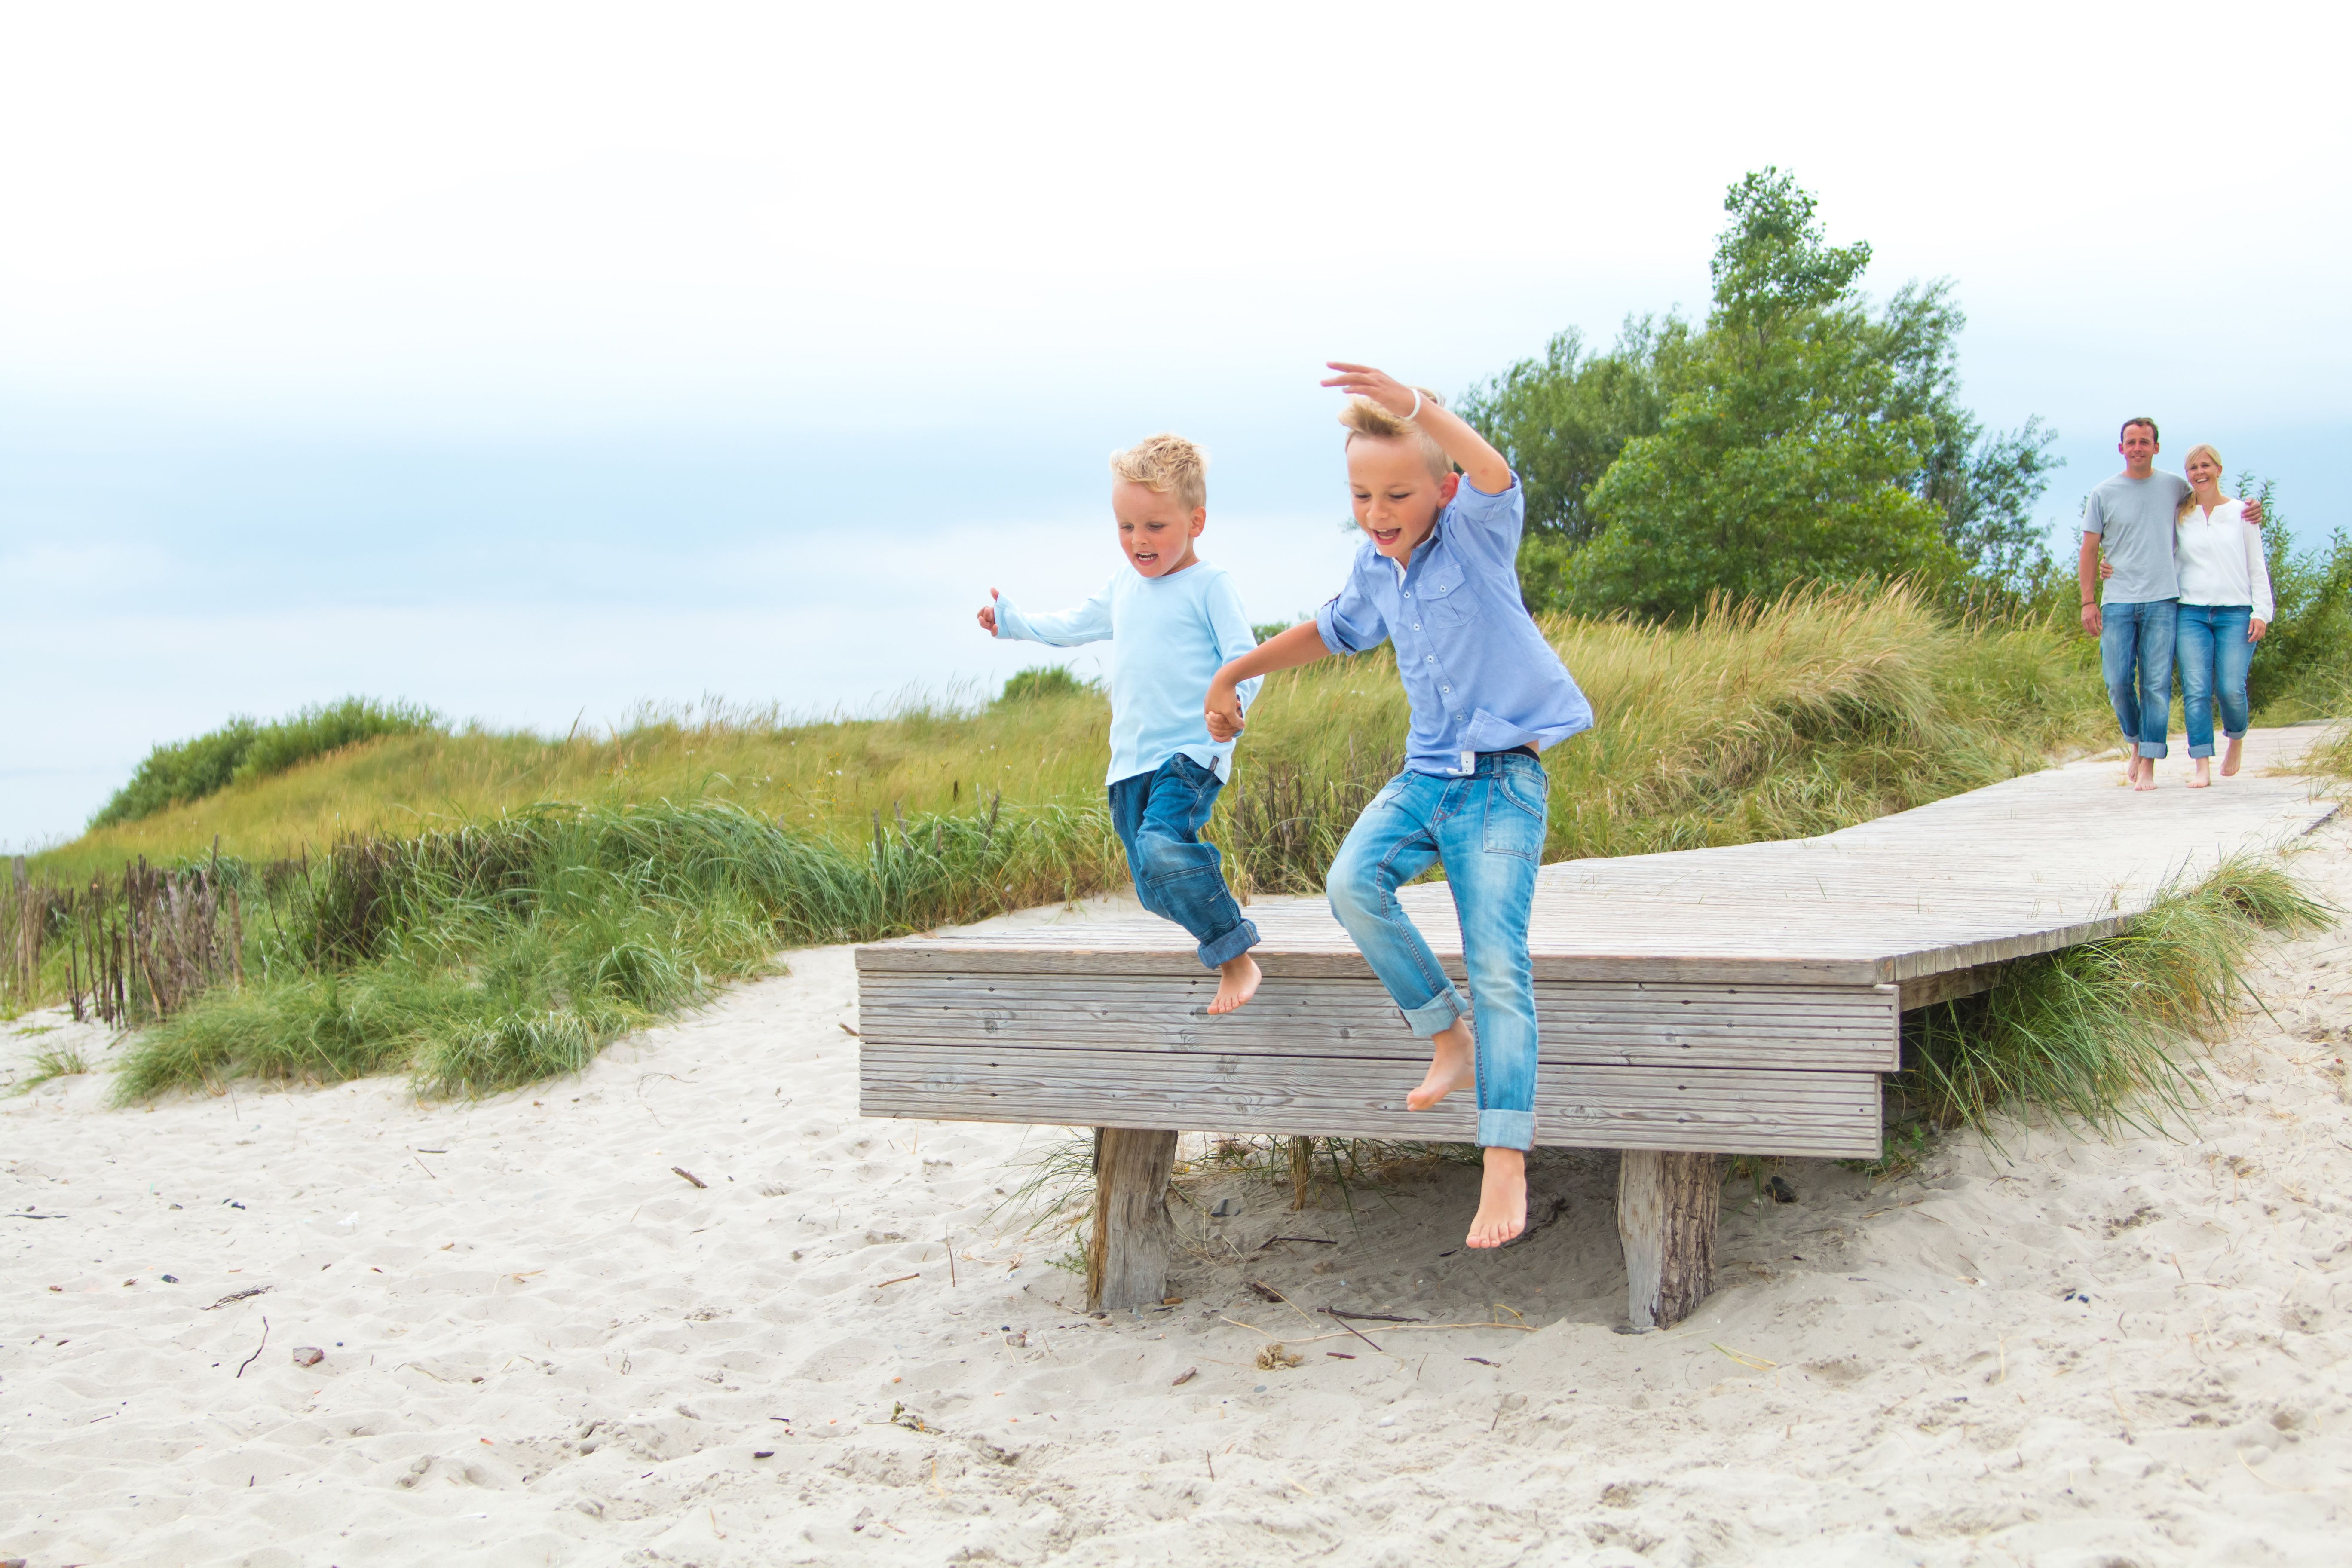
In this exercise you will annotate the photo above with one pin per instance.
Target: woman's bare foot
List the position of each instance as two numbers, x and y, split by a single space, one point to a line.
1502 1199
2203 775
1237 980
1452 1064
2146 777
2229 758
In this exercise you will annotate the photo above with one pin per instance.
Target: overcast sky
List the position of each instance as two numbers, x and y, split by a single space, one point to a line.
534 362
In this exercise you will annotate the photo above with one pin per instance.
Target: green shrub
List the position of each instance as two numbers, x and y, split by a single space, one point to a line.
1044 680
241 751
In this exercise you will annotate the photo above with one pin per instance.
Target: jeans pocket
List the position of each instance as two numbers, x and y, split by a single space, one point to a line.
1513 826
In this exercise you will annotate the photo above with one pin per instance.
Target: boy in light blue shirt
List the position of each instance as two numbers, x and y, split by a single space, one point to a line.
1437 577
1172 621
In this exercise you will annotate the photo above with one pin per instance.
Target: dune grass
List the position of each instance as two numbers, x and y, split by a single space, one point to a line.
499 905
1760 721
2101 1033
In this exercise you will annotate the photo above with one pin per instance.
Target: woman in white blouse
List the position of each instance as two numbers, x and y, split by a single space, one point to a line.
2225 607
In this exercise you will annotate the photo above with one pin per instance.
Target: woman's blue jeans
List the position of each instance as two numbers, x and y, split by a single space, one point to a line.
1488 831
2214 659
1159 817
2135 658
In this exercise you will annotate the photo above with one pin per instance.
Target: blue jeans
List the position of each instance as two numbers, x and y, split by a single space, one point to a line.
2135 658
2214 659
1488 831
1160 815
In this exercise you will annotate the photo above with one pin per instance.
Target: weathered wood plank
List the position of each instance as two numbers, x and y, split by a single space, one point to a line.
1822 1113
1761 1026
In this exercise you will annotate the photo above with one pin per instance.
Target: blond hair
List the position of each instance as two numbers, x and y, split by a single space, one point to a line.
2190 501
1169 464
1362 417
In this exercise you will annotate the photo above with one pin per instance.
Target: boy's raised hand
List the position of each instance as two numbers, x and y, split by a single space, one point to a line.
1363 381
988 614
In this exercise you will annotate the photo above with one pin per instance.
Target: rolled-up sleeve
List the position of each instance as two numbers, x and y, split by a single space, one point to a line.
1350 621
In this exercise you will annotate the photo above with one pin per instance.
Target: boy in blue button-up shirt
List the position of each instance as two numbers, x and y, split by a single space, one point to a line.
1438 578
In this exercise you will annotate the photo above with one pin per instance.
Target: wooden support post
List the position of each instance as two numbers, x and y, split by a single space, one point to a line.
1126 1251
1666 1206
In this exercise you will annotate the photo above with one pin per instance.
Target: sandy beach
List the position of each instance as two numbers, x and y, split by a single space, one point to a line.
545 1344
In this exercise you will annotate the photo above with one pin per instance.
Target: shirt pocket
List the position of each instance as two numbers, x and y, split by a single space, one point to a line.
1445 597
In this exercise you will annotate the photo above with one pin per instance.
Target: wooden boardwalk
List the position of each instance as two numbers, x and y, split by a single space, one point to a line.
1736 1000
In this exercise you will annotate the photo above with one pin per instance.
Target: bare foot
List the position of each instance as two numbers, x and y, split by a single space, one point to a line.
1502 1199
1237 980
2229 758
1452 1064
2131 770
2202 777
2146 777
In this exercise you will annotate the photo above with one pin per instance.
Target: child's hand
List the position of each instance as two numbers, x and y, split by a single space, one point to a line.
1223 707
1363 381
988 614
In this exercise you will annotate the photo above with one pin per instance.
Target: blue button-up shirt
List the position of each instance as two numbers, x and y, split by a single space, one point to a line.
1479 674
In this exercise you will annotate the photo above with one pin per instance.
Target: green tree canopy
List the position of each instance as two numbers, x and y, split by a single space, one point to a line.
1798 436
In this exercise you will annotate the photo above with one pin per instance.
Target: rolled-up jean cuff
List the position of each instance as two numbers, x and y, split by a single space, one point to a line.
1230 946
1506 1129
1436 1014
2151 748
2204 751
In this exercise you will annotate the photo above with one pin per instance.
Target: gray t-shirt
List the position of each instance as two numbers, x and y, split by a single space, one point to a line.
2134 520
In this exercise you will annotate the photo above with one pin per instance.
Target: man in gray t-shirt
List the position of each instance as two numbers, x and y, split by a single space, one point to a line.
2131 515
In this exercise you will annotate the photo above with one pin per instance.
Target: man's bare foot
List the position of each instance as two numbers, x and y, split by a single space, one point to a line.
1502 1199
2131 770
2146 777
2230 758
2201 776
1452 1064
1237 980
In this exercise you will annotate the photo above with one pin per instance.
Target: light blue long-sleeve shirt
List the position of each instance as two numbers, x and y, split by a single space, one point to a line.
1168 636
1475 665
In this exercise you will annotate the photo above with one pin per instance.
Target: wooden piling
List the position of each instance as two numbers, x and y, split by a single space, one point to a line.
1126 1250
1667 1202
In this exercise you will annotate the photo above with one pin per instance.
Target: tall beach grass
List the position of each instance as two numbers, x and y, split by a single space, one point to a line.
483 909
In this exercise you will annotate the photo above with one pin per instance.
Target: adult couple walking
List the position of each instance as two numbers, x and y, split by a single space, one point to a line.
2186 580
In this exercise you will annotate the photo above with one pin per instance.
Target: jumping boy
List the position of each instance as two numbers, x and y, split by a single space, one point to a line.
1171 621
1438 577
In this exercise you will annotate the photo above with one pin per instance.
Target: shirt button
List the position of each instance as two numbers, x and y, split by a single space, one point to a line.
1416 626
1428 658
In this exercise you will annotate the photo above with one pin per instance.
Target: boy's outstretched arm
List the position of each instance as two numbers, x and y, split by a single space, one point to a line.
1484 467
1302 644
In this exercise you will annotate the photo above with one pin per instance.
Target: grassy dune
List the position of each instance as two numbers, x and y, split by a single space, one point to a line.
482 909
1757 723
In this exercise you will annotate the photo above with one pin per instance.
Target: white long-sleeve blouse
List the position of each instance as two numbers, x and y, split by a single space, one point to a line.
2220 558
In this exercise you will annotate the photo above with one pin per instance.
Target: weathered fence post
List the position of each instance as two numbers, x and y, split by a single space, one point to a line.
1126 1250
1667 1202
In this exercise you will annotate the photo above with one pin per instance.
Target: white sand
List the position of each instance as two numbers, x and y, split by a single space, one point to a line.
542 1346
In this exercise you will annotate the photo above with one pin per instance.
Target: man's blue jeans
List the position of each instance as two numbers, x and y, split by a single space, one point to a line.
1159 817
2214 659
1488 831
2135 658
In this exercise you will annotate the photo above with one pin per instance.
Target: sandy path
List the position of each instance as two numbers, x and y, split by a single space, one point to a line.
542 1346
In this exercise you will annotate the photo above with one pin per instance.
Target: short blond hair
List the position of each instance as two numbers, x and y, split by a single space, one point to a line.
1169 464
1362 417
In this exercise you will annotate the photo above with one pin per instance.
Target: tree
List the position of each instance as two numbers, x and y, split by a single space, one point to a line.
1787 452
1797 435
1563 418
